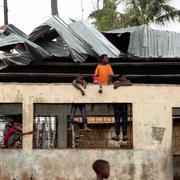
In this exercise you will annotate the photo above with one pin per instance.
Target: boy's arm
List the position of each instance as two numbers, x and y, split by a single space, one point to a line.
116 82
84 84
127 83
119 83
20 133
110 78
111 73
76 85
30 132
97 71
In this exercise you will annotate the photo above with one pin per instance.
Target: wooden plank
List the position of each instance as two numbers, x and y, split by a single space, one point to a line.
65 64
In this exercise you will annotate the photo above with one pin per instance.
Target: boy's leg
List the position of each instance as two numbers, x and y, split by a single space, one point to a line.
82 109
124 125
13 139
117 125
72 115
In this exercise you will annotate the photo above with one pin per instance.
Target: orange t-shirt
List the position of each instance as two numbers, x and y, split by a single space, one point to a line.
103 72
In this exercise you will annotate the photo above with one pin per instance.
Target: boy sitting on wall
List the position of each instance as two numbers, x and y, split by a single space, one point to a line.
122 81
80 84
121 110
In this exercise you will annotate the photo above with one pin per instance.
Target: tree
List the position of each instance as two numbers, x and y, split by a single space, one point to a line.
149 11
54 7
137 12
107 18
5 12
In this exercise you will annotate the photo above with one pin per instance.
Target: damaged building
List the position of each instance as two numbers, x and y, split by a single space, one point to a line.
35 81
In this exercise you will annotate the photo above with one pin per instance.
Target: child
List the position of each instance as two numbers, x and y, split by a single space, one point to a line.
102 169
121 111
82 109
122 81
13 135
103 71
80 84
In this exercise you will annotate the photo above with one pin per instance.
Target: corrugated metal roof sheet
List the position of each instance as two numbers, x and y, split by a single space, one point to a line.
148 42
123 30
13 29
30 52
82 39
79 50
94 38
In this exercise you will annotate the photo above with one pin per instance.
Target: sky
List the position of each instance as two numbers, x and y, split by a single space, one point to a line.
27 14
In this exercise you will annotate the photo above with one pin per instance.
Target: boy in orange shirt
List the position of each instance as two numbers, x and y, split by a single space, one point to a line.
103 71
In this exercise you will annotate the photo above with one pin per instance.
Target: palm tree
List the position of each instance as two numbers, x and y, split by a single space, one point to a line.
106 18
137 12
54 7
149 11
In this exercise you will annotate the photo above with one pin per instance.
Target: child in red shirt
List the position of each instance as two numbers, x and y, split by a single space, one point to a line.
13 134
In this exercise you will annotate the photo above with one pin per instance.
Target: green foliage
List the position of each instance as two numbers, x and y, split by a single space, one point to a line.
107 18
137 12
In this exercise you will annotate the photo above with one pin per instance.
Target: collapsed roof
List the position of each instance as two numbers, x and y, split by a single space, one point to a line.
27 51
79 38
55 39
143 41
10 28
46 54
54 25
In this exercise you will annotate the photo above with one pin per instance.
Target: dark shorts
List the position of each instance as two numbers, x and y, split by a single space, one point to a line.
13 139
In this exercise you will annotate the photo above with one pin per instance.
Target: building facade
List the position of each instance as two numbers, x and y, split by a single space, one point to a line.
150 158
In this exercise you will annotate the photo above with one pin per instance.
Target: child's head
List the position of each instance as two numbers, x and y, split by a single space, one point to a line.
102 168
16 124
122 77
79 78
104 59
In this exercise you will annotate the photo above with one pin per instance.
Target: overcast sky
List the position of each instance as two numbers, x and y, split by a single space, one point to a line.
27 14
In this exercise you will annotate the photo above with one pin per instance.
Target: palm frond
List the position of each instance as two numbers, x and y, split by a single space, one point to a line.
172 15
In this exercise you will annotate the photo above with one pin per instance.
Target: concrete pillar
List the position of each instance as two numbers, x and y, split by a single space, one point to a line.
62 131
27 125
62 126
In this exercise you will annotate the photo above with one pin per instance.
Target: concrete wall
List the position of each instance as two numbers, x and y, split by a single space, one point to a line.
151 157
